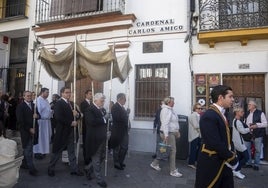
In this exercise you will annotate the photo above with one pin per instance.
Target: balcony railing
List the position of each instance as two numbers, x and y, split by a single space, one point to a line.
232 14
13 11
58 10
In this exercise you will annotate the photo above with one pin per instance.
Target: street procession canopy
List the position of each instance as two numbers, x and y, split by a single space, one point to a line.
95 65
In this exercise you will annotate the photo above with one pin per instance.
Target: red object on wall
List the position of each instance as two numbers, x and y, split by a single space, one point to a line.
5 39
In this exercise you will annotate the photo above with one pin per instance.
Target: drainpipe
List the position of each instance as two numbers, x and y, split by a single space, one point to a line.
192 24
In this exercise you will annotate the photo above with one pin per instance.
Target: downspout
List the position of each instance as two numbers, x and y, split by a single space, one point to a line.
192 24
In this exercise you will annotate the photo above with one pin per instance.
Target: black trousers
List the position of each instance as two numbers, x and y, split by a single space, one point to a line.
120 151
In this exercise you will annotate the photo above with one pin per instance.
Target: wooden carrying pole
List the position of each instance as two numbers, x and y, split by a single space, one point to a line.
108 123
74 94
36 91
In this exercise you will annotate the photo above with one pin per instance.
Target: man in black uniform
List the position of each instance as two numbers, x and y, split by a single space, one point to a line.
119 134
84 106
217 158
64 113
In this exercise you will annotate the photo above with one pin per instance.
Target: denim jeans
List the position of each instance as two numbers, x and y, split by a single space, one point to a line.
257 143
194 149
243 158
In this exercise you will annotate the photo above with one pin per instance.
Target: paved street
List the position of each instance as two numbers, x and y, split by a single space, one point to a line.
138 174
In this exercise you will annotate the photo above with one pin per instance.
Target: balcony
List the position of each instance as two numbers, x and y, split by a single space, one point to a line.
13 10
232 20
48 11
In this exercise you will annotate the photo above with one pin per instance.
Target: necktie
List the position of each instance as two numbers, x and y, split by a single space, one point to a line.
30 106
70 105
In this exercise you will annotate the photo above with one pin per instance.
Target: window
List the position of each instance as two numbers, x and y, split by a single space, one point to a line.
152 86
15 8
242 14
69 7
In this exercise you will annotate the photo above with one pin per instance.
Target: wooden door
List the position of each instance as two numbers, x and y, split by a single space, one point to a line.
247 86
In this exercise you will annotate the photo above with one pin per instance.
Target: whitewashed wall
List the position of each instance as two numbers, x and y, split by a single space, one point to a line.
175 52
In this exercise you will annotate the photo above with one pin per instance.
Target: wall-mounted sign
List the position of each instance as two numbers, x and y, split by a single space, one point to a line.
5 39
243 66
153 47
155 26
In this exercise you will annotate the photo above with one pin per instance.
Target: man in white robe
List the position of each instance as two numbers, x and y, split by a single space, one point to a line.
44 137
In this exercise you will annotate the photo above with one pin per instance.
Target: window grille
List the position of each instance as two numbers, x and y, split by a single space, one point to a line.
232 14
152 86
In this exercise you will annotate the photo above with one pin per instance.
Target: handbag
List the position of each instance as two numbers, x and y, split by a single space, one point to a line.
246 137
163 151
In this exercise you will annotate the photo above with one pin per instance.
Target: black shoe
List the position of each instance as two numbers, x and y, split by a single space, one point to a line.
24 166
51 173
247 166
33 172
154 156
102 184
38 156
255 168
77 173
123 165
88 174
118 167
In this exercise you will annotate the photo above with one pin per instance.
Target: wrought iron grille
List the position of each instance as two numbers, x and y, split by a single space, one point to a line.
152 84
57 10
13 8
232 14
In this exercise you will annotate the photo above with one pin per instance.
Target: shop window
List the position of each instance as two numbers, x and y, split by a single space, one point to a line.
152 84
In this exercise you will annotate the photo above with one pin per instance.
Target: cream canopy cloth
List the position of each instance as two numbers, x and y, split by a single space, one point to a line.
96 65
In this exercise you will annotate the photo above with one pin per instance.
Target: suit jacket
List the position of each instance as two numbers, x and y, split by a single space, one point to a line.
84 106
215 149
25 121
96 129
63 115
2 110
120 125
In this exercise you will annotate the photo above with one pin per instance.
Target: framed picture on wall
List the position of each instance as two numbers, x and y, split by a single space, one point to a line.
214 80
200 79
201 100
200 90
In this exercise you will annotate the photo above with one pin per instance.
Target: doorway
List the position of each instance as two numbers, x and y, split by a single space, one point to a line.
246 87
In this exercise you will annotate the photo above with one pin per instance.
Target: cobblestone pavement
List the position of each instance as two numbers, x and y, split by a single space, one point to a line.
137 174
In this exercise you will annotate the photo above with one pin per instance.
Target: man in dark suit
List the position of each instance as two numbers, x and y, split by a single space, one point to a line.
217 158
25 118
84 106
96 136
119 133
2 108
65 115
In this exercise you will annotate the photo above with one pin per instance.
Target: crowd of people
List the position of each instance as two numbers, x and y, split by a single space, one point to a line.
218 151
53 128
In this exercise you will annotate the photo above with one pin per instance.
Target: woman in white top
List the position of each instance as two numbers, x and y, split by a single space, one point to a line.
169 132
238 129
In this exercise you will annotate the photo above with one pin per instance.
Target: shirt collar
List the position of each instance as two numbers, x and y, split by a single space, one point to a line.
65 100
221 109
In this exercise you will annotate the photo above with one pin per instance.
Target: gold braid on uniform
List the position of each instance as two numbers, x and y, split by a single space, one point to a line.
213 107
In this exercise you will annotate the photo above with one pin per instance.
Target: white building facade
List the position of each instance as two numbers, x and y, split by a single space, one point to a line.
176 48
152 36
